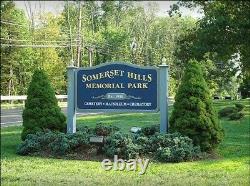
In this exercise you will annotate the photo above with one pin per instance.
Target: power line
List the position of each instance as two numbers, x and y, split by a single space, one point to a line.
17 40
37 46
11 23
102 49
98 49
95 46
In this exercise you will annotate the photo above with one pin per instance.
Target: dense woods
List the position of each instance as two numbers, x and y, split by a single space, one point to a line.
124 31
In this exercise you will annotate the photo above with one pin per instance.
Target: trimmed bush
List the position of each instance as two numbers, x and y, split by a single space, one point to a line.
60 146
143 145
150 130
236 116
41 109
131 146
31 145
239 106
193 114
225 112
120 144
53 143
86 129
162 147
79 139
233 113
105 130
176 148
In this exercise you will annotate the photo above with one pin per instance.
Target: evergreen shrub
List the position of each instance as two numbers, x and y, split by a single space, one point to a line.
239 106
53 143
105 130
150 130
193 113
226 111
41 108
236 116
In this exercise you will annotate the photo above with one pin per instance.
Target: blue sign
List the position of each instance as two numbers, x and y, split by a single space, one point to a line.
117 86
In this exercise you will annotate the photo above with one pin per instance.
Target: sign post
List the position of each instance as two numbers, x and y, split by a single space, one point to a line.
71 111
163 98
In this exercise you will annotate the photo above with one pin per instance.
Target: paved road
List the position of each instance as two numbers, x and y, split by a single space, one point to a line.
14 116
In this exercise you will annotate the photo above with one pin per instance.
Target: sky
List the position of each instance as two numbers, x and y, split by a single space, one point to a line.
57 6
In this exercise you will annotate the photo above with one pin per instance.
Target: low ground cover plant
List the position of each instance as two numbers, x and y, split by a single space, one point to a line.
53 143
150 130
104 130
161 147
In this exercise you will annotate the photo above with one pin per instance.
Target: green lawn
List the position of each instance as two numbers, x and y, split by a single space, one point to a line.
231 167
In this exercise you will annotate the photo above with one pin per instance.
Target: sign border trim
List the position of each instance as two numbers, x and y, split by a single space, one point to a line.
117 110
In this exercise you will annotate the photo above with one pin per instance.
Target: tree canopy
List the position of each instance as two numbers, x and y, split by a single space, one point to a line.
125 31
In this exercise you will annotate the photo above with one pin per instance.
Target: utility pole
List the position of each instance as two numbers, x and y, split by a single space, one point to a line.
92 20
70 35
133 47
91 56
79 34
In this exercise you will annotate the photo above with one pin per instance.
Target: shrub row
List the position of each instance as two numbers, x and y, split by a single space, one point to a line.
233 113
162 147
58 143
